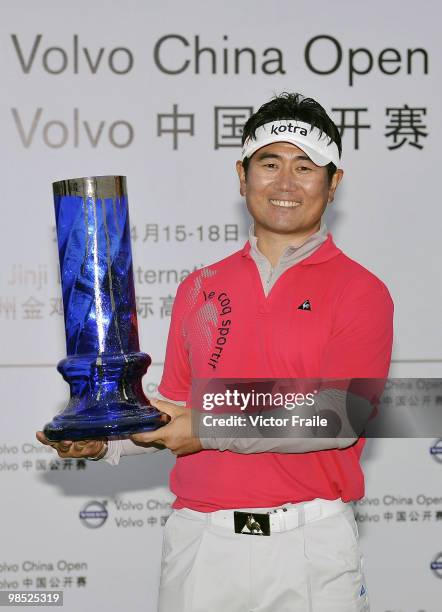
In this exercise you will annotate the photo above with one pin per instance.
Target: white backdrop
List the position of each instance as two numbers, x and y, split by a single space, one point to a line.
85 87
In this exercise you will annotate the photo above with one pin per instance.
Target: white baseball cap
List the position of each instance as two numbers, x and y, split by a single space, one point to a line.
319 147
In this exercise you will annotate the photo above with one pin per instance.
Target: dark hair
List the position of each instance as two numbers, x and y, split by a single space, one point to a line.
293 106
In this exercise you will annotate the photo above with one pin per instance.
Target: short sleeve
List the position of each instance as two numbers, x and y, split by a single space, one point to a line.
176 380
361 341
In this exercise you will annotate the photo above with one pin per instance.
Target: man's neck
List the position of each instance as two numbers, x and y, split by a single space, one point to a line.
273 245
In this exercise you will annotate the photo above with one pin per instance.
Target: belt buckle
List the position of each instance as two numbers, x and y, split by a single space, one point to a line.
251 523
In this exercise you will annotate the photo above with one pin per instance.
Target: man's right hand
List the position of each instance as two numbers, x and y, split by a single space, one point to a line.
69 448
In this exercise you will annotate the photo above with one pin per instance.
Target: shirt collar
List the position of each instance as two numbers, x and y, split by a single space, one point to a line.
317 248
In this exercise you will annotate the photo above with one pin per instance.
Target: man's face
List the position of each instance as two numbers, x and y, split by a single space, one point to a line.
286 193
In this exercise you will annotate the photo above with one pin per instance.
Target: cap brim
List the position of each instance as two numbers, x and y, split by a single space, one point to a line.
317 158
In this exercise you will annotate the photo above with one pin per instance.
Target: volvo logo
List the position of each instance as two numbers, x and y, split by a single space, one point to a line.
436 565
436 450
94 514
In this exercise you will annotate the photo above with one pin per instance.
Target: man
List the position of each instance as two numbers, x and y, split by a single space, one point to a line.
295 307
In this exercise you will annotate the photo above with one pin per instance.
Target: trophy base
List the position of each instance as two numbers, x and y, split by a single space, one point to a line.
116 421
107 398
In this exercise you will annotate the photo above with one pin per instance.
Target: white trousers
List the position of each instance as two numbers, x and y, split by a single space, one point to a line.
311 562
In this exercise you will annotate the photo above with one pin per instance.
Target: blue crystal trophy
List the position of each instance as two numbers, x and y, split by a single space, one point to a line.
104 365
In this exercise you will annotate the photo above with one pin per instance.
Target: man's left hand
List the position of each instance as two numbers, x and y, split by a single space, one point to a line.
176 435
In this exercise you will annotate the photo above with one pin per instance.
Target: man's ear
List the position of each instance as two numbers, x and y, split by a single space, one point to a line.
242 177
336 179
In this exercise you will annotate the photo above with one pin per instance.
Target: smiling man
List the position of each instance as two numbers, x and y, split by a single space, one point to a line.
286 191
295 306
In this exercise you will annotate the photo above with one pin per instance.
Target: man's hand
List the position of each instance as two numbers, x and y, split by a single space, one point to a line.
68 448
176 435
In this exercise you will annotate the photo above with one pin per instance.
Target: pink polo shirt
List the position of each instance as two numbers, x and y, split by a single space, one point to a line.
346 333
